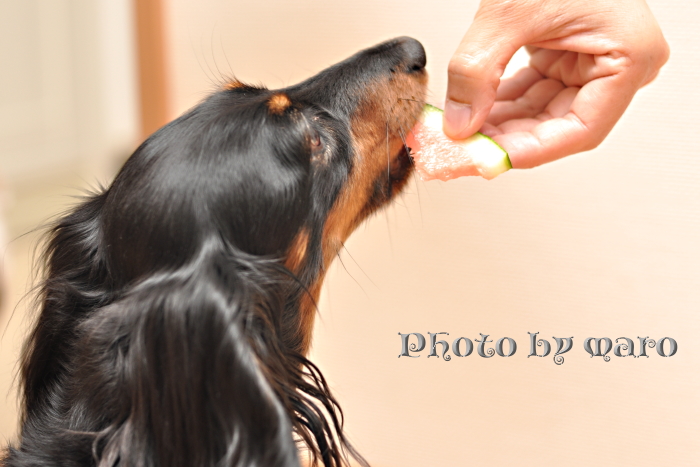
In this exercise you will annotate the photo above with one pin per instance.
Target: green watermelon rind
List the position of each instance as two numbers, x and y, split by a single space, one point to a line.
506 160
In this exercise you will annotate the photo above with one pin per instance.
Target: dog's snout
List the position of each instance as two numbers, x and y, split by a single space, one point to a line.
414 53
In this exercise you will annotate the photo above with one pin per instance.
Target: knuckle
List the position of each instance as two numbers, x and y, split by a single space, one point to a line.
590 136
592 142
664 53
471 65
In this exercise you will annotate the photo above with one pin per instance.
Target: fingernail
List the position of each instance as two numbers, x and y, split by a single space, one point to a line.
457 117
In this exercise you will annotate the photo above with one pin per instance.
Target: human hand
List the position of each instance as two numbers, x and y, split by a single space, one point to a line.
588 59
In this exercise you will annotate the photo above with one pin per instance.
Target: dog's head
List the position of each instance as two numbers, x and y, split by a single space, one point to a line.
286 173
178 303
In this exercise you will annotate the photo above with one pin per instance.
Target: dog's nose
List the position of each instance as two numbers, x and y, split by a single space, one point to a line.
414 53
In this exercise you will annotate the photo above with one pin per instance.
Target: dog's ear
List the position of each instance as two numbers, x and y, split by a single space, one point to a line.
76 282
173 366
229 169
267 183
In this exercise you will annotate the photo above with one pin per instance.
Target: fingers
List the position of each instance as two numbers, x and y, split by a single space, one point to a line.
577 69
546 142
531 103
574 121
587 61
473 76
515 86
557 107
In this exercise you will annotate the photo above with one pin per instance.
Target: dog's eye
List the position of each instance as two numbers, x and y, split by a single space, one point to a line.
315 140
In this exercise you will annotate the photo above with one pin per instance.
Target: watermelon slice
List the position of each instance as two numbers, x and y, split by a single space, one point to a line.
438 157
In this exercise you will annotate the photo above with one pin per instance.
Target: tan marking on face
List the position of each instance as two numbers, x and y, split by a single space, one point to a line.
297 252
278 103
392 107
235 84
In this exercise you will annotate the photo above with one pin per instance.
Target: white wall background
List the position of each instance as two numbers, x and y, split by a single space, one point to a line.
67 121
67 90
600 244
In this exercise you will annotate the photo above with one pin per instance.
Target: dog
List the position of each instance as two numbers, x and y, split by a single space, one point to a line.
178 304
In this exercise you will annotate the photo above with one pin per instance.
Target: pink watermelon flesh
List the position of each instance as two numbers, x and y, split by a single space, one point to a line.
438 157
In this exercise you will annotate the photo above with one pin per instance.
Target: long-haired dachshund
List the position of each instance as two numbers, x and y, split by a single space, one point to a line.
178 303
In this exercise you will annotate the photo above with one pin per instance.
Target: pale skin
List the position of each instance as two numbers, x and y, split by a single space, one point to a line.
587 60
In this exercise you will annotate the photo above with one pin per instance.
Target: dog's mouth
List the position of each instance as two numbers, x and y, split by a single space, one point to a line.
400 168
389 184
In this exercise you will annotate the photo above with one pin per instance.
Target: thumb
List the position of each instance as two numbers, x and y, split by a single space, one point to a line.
474 74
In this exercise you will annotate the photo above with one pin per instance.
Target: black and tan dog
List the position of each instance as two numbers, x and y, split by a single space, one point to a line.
178 304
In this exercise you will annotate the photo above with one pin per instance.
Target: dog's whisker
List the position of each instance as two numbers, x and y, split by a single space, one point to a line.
402 135
388 161
416 178
360 267
351 276
411 99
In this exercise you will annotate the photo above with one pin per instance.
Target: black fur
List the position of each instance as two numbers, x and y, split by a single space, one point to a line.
169 329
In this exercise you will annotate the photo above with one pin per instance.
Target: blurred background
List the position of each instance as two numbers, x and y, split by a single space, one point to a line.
602 244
